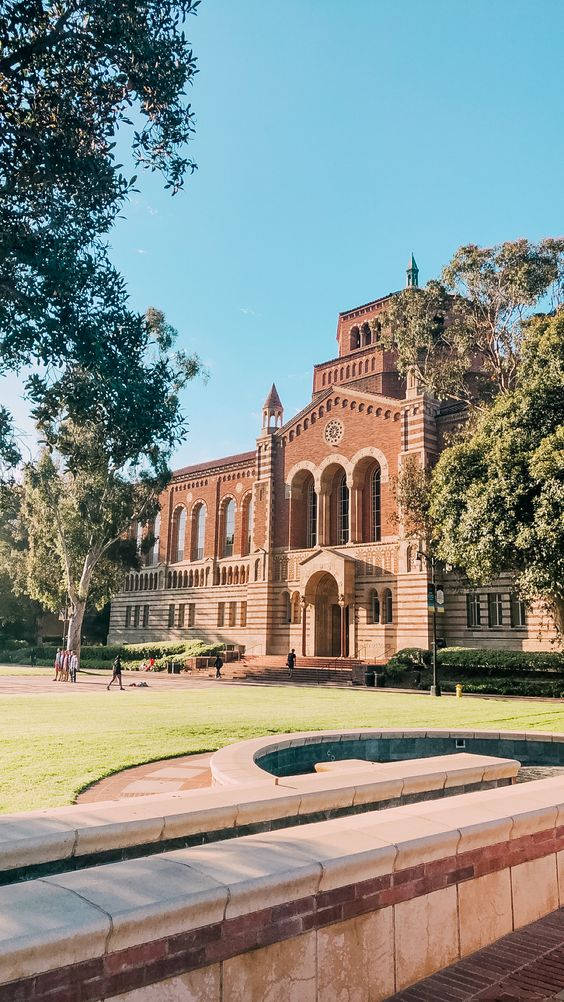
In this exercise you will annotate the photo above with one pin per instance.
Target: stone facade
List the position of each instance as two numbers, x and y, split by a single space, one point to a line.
297 543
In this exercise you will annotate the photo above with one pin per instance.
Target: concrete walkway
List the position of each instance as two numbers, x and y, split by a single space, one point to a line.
97 682
189 772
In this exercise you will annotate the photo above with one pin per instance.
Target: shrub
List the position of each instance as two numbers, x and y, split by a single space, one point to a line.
469 661
407 659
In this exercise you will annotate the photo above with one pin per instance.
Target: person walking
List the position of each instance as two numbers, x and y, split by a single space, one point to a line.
218 665
291 661
116 673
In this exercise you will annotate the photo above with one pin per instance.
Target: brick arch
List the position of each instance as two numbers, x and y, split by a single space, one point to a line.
304 466
334 460
371 452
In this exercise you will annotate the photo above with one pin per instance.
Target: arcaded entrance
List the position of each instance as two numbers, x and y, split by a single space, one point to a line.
331 620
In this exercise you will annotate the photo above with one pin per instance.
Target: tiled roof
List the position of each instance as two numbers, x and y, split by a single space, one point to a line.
213 464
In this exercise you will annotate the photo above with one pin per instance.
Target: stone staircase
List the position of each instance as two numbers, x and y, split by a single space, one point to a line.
309 671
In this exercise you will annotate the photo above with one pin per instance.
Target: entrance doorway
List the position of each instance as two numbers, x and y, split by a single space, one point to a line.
328 619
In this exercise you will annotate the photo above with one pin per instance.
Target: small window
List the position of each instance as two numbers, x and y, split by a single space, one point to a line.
145 615
191 614
229 528
286 608
243 619
518 611
232 613
374 609
127 616
220 613
387 606
170 616
473 614
136 616
495 609
181 609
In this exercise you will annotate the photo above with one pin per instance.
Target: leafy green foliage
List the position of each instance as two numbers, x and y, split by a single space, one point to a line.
471 661
497 496
73 79
463 337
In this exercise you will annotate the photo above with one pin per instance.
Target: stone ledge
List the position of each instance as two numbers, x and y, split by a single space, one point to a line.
277 885
84 831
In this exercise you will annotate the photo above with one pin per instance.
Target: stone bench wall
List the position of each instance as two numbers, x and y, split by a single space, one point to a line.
38 843
370 903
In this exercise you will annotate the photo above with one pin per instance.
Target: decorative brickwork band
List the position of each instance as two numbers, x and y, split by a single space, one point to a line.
152 962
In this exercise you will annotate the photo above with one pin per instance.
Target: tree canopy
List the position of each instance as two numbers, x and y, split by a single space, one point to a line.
497 495
463 336
74 78
103 465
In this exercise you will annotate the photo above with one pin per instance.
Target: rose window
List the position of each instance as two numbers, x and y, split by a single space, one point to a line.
334 431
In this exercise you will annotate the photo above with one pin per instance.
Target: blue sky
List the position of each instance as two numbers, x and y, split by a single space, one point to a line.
332 139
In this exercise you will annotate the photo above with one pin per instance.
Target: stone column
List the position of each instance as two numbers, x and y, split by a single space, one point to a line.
343 629
323 517
304 605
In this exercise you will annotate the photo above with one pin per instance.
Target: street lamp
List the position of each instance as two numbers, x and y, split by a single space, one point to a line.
430 560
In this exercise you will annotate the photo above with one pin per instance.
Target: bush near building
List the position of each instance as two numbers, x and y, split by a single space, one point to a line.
102 657
498 672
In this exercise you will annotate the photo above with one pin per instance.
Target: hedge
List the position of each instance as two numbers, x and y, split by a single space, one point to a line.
99 656
469 662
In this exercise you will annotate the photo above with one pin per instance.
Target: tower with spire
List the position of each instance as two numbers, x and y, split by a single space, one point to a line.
412 274
272 411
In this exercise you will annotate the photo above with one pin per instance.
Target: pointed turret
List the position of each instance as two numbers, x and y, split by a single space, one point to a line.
412 274
272 411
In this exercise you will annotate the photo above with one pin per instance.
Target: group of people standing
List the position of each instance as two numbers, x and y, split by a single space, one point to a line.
66 666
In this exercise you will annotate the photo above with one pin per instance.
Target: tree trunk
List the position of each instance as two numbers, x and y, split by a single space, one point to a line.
75 626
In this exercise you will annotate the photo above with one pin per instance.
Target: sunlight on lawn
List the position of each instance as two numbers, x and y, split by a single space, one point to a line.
52 746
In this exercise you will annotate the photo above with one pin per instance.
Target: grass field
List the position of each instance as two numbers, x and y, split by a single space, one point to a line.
52 746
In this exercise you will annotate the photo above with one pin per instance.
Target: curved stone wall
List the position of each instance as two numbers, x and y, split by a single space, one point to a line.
264 760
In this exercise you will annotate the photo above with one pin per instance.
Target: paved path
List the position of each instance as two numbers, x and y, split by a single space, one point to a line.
527 964
97 681
188 772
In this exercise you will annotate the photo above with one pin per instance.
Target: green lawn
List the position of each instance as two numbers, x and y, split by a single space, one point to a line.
52 746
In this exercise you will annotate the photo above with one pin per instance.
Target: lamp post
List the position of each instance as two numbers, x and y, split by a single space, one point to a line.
430 560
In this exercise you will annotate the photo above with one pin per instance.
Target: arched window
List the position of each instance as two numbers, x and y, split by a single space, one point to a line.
257 569
311 516
355 338
342 511
366 335
376 504
247 528
228 528
286 608
156 534
387 606
296 607
374 608
178 534
199 532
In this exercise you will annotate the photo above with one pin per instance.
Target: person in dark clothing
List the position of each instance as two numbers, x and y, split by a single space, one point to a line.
116 673
291 661
218 665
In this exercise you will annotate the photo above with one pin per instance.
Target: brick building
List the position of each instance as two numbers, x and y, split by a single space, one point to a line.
296 543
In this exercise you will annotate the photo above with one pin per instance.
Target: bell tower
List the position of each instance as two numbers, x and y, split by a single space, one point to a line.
272 412
412 274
